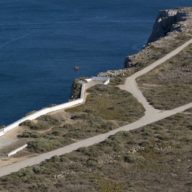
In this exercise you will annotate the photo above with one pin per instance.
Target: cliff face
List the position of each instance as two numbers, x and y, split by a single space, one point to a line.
169 26
171 29
167 21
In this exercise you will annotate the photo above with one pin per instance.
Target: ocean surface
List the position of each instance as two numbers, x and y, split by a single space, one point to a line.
42 40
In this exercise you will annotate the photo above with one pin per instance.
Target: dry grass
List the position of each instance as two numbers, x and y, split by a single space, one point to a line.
151 53
173 81
106 108
111 103
155 158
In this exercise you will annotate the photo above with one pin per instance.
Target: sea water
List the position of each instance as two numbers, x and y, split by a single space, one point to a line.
42 40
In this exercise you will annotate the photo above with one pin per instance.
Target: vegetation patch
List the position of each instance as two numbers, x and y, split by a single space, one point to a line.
153 158
169 85
111 103
106 108
33 125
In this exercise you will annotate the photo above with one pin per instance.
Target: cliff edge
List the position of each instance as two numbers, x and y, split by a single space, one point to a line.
173 20
171 25
172 28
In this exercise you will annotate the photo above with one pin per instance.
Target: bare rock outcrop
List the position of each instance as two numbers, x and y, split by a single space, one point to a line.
169 26
172 27
167 21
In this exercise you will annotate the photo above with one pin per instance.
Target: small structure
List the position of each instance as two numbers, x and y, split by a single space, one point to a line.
76 68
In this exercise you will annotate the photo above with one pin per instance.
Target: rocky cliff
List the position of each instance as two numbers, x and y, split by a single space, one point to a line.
171 28
173 20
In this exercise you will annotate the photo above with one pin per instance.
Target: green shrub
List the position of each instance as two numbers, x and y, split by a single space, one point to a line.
109 186
49 120
34 126
92 163
43 145
133 158
29 134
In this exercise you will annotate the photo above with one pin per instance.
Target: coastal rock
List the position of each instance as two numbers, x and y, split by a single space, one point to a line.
129 62
169 26
76 88
169 21
112 73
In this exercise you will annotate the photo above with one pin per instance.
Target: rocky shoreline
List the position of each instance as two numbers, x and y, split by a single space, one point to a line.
171 28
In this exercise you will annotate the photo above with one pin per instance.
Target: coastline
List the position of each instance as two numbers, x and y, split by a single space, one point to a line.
129 78
80 100
168 18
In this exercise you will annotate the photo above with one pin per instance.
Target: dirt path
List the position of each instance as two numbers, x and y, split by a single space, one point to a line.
90 141
132 87
151 115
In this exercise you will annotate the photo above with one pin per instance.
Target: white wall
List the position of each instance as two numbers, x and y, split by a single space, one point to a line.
14 152
45 111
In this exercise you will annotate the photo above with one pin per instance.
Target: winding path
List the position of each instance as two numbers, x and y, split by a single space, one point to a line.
151 115
132 87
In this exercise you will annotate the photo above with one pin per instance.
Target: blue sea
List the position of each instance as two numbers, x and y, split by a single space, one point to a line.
42 40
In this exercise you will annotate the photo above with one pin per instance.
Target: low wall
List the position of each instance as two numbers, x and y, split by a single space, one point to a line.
42 112
14 152
104 79
45 111
1 132
107 82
